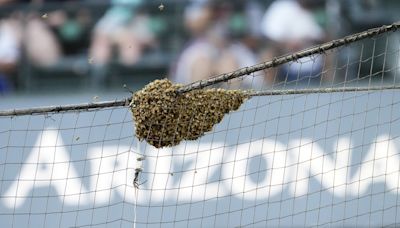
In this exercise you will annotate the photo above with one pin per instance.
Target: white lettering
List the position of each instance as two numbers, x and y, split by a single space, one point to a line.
381 164
236 167
48 164
309 161
201 171
203 164
109 173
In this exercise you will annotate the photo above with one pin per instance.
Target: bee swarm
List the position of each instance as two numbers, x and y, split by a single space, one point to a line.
165 118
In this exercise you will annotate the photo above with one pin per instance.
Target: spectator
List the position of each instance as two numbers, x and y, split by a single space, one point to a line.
9 52
33 31
196 60
10 45
121 27
211 50
291 26
43 48
42 45
242 39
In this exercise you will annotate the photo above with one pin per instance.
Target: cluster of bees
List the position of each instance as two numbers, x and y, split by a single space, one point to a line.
163 117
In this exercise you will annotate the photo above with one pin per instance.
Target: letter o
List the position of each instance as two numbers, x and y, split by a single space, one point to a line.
236 166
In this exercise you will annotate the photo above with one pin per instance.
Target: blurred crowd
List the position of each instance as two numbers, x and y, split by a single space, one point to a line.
219 36
225 37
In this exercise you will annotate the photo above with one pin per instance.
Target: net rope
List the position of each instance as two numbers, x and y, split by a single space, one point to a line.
238 73
316 144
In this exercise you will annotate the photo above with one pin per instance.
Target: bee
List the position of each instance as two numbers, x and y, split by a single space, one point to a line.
161 7
136 183
158 107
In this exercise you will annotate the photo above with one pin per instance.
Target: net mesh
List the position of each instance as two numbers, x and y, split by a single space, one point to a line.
308 159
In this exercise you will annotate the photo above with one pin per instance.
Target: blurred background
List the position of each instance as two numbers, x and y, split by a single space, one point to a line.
94 47
55 52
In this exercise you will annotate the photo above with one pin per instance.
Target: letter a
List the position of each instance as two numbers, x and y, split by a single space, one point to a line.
47 164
